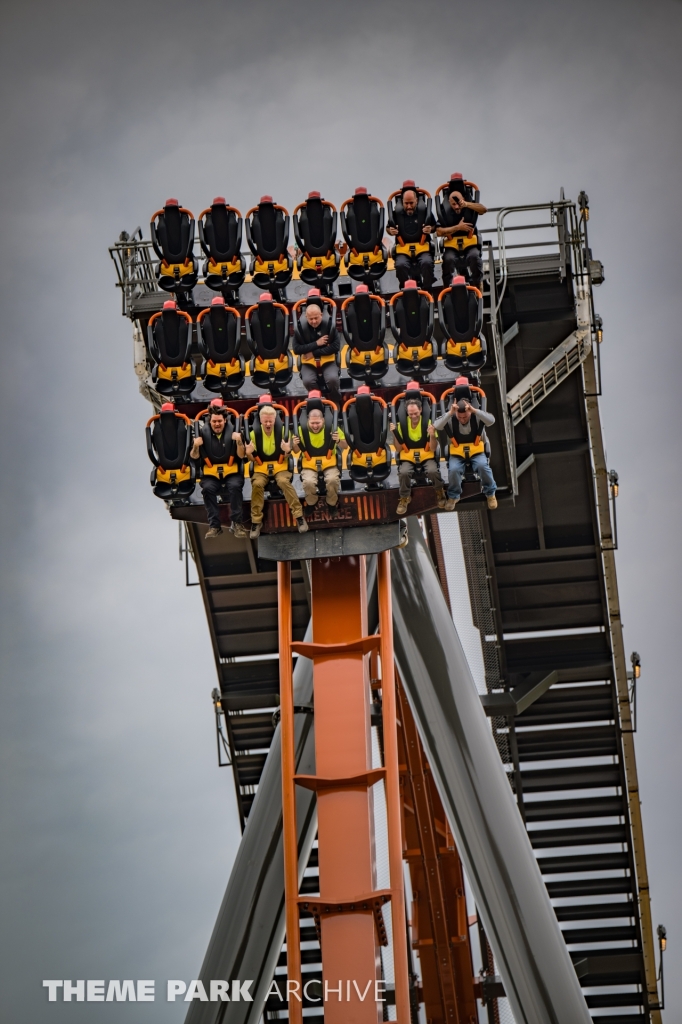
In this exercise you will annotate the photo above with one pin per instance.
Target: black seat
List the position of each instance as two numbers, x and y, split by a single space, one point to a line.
169 441
365 424
362 223
315 233
219 331
459 243
328 325
267 232
463 388
364 327
317 458
220 234
267 334
268 465
172 231
169 339
411 241
460 312
414 353
411 451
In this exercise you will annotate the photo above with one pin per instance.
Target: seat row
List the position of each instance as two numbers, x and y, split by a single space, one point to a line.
366 420
268 328
363 220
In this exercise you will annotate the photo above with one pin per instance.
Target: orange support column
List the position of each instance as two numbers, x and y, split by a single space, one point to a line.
348 911
349 937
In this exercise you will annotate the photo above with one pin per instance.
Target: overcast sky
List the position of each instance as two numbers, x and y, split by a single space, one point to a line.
118 828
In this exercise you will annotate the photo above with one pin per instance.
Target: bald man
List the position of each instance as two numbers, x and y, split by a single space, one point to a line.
411 228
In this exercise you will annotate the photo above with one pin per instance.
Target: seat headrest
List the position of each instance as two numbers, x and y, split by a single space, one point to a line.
171 202
411 284
362 289
167 407
218 301
265 400
217 403
170 304
315 402
409 183
457 282
313 293
219 201
265 297
265 199
462 380
360 191
314 195
456 176
314 394
364 390
315 299
413 386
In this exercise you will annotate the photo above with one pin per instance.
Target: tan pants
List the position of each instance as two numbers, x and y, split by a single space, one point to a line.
332 480
283 481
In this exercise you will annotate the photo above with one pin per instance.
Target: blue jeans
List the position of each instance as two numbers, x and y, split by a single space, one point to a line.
456 473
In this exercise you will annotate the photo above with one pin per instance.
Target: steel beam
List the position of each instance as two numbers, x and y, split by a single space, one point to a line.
534 963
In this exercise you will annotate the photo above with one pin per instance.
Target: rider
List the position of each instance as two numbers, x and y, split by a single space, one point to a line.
221 453
317 445
461 249
263 451
412 226
466 433
317 343
416 444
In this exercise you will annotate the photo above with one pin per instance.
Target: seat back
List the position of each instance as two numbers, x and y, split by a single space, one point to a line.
169 439
460 310
220 231
267 230
394 205
463 389
362 221
365 422
412 315
364 320
267 328
172 231
457 183
219 332
315 225
328 307
169 336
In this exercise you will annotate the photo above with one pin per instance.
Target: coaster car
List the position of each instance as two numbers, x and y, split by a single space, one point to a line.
169 339
220 235
267 335
267 232
315 232
364 327
169 441
362 223
460 313
219 339
328 327
172 231
415 353
365 424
